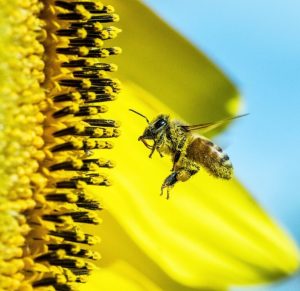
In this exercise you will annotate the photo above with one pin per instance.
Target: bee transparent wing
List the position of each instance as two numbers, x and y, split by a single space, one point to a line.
210 156
205 127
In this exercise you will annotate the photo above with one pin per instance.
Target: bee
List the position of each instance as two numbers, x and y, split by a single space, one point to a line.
188 151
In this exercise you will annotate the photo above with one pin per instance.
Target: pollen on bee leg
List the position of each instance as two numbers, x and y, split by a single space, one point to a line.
183 175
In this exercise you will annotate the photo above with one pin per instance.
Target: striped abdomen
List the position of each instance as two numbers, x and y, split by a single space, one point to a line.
210 156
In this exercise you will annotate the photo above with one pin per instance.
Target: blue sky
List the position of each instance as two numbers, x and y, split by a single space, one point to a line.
257 44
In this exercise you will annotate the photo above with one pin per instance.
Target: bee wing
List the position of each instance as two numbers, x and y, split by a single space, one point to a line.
210 125
204 152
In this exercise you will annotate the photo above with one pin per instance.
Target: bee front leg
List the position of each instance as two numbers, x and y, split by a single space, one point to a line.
152 150
156 146
161 155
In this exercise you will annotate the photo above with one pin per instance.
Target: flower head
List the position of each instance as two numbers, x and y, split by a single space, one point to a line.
53 93
55 141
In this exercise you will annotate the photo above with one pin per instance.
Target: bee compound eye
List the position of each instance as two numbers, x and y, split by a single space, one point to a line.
159 123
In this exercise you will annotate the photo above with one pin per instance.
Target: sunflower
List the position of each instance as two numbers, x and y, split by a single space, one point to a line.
58 152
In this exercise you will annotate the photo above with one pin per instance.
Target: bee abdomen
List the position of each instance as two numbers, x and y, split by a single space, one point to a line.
211 157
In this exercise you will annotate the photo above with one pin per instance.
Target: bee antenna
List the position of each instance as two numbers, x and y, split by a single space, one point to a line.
140 115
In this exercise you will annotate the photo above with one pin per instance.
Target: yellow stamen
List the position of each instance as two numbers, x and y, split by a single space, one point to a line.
55 84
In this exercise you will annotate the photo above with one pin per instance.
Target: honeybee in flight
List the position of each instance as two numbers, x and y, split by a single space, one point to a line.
188 150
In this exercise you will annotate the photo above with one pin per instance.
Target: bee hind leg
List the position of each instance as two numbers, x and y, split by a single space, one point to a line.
179 175
169 183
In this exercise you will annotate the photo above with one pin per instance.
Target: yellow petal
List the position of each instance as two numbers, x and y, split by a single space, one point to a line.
165 64
208 229
124 258
120 276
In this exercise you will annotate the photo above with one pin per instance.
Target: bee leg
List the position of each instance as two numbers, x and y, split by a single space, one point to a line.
168 193
184 174
161 155
169 183
156 146
175 160
152 150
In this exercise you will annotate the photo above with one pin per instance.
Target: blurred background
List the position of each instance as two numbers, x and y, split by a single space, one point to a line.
256 43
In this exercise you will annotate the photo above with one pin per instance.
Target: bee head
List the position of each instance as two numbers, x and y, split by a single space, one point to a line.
155 127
